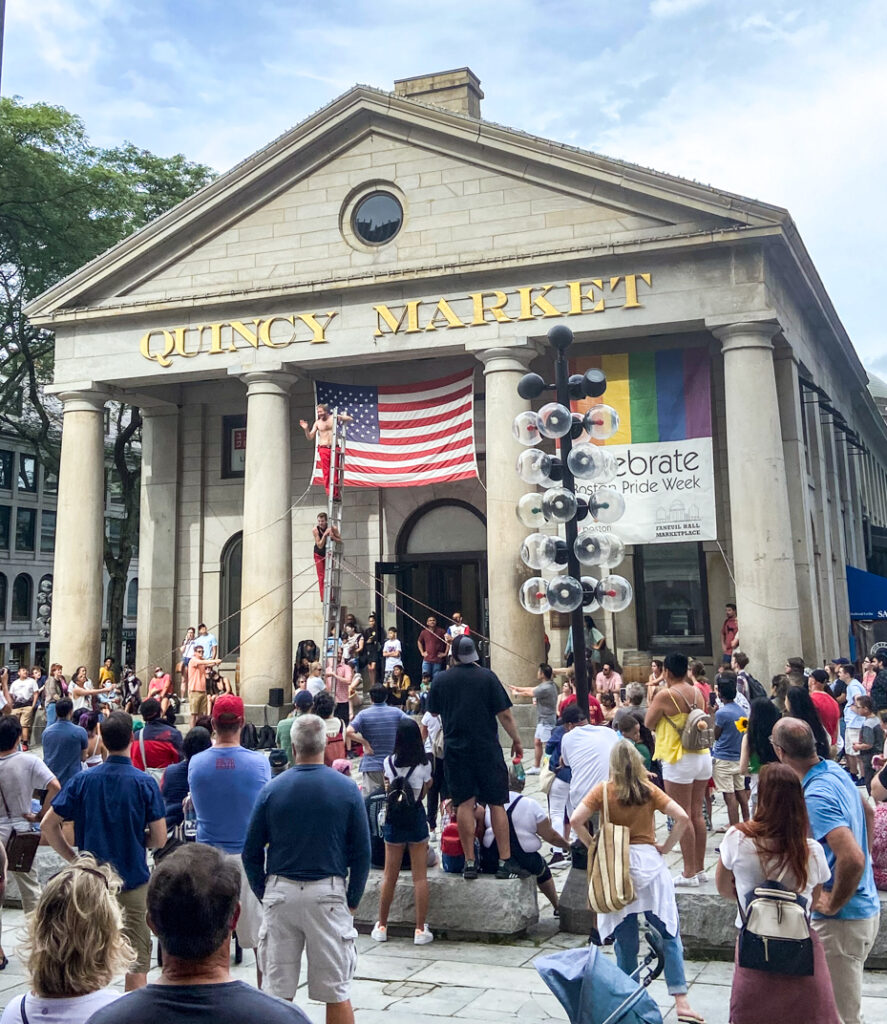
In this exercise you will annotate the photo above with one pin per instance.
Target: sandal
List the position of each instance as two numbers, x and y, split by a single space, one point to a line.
4 962
691 1018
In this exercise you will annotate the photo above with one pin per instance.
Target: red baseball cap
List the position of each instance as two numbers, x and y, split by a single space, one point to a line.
229 706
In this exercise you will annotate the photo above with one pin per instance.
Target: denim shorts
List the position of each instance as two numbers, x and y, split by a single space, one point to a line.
415 831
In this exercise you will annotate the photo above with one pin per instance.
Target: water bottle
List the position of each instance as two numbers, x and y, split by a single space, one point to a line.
518 768
190 825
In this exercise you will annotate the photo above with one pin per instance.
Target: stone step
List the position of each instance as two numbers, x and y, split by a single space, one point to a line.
708 929
486 909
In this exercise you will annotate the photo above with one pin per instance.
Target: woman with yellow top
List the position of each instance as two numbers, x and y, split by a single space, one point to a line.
685 772
398 686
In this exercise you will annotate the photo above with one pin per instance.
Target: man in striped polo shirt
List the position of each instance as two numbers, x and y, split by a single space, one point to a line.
375 727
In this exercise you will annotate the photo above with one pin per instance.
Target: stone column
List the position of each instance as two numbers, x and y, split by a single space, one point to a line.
76 629
516 636
763 555
266 618
156 640
791 416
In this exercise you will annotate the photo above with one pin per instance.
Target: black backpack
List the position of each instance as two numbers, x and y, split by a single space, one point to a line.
249 737
401 801
376 805
755 689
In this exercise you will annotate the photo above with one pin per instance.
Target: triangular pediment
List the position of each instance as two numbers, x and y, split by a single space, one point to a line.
470 191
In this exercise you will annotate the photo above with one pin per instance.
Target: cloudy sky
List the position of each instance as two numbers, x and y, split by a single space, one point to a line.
781 101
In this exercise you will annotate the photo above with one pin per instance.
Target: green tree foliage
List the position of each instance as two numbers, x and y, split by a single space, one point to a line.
63 202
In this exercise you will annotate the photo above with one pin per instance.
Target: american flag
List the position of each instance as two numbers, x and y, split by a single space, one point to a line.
405 434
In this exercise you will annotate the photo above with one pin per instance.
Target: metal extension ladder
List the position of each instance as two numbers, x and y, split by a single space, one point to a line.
332 587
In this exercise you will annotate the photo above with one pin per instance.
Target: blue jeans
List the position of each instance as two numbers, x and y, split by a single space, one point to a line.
431 668
50 714
628 946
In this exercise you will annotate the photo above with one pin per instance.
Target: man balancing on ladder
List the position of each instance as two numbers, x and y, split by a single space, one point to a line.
323 430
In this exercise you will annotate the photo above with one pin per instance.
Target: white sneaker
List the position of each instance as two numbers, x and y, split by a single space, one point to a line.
680 880
532 771
702 877
379 934
422 938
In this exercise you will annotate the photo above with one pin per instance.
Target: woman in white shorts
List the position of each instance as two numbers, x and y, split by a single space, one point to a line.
685 772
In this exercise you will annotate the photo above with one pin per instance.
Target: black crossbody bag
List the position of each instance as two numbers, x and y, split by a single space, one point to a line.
21 847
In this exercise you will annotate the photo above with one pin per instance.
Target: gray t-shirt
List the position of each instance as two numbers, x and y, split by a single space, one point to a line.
546 703
20 775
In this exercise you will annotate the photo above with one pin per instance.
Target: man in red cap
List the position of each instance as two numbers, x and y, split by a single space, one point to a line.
225 782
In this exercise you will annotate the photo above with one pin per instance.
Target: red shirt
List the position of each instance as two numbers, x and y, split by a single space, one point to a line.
829 712
159 754
434 644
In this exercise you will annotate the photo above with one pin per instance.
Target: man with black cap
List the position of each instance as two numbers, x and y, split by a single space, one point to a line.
470 702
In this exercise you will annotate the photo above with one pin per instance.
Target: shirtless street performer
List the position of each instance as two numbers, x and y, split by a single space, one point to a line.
323 532
323 430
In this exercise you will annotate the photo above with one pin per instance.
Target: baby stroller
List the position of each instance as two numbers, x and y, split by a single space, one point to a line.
593 990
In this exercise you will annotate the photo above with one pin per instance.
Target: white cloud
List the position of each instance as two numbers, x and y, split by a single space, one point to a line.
674 8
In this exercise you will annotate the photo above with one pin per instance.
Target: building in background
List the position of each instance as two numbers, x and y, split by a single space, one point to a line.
28 522
395 238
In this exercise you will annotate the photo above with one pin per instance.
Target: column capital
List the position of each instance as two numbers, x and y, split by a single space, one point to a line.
83 401
156 411
513 358
267 382
746 334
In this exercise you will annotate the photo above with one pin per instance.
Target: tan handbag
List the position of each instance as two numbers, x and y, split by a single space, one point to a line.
546 775
609 868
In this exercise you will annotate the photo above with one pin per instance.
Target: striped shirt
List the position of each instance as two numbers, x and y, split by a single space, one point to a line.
378 725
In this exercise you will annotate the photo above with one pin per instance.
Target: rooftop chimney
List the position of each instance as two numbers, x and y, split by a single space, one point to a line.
457 90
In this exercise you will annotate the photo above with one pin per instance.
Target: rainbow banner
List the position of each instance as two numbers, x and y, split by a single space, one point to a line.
660 396
663 447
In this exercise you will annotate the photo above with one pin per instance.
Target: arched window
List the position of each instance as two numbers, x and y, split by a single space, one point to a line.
22 598
229 611
441 528
132 598
2 597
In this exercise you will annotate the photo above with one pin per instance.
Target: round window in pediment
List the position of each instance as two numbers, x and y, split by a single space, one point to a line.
377 218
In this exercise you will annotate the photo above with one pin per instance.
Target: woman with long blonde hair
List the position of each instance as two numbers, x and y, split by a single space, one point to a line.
632 801
75 947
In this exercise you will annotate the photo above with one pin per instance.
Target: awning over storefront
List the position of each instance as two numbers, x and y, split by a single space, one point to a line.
868 594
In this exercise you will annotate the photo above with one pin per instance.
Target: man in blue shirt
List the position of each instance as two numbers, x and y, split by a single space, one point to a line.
307 857
111 806
727 749
375 727
64 744
225 782
847 914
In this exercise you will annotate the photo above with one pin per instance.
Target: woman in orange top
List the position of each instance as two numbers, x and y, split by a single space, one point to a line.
632 800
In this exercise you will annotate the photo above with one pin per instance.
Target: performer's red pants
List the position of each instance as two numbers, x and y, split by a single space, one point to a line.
325 469
320 566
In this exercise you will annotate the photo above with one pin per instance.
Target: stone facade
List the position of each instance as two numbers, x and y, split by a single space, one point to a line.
234 302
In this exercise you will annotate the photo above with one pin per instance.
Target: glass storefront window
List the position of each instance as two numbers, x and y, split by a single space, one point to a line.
673 599
27 473
25 528
47 532
6 470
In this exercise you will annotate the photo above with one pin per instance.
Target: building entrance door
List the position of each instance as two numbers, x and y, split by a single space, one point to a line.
441 567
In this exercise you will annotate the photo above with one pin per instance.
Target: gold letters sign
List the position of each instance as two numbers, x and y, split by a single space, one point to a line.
417 316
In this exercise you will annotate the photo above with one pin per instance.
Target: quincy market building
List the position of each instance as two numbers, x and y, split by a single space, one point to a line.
397 237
